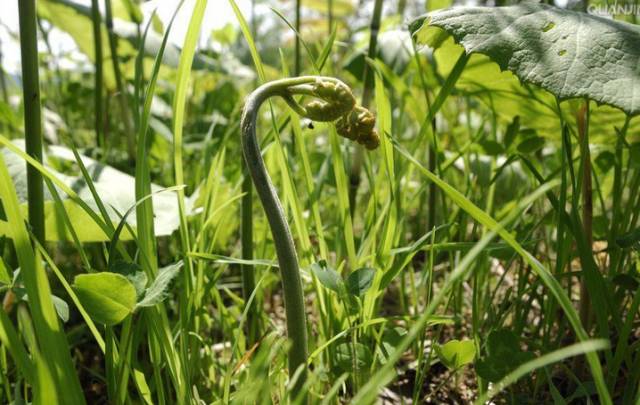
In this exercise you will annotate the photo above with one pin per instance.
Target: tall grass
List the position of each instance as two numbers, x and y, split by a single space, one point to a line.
384 286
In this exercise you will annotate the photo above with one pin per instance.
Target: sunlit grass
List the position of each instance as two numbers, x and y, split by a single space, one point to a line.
467 224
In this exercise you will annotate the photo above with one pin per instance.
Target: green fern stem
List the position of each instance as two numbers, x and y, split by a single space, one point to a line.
333 100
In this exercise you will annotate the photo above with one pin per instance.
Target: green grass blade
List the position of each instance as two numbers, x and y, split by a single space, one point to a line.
179 108
50 334
246 32
9 337
144 211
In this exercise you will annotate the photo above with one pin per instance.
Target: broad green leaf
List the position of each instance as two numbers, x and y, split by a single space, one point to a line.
502 92
226 35
141 384
116 190
9 116
605 161
61 306
158 290
391 338
503 355
86 228
502 343
107 297
570 54
350 355
327 276
359 281
628 240
490 369
456 353
531 144
626 281
491 148
156 23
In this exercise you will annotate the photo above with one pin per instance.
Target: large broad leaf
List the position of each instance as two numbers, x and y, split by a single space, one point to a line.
107 297
568 53
503 92
115 188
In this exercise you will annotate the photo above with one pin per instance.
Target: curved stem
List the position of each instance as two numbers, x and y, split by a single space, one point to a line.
355 123
285 248
293 104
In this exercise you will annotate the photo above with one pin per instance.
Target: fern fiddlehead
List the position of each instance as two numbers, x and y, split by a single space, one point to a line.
332 101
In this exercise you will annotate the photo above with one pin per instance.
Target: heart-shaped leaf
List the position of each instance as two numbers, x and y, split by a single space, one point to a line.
629 240
491 148
605 161
503 354
327 276
456 353
61 306
391 338
531 144
359 281
350 355
107 297
570 54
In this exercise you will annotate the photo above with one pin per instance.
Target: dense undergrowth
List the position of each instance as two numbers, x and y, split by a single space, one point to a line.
487 248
